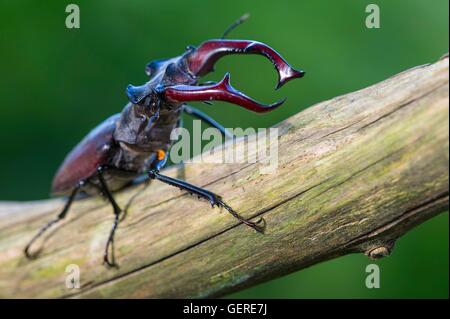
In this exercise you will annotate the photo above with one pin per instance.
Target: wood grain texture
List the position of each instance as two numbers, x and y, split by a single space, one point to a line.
354 174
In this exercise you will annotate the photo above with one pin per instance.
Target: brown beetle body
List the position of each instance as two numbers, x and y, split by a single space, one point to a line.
125 158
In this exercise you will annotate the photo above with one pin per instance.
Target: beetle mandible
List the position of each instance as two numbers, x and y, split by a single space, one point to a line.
137 140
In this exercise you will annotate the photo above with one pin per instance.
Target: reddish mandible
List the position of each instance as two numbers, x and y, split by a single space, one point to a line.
137 140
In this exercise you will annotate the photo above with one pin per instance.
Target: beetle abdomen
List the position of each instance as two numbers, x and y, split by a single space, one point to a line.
82 162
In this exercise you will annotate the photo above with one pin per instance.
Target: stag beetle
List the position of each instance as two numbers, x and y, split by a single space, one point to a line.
137 140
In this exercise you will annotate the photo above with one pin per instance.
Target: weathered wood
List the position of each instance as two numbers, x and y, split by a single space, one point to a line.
354 174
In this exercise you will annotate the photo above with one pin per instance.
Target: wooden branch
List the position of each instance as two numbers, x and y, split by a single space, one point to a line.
354 174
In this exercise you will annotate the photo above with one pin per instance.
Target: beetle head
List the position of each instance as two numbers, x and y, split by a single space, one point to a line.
174 81
163 74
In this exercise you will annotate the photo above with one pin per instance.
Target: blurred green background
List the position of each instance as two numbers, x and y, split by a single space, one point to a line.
58 83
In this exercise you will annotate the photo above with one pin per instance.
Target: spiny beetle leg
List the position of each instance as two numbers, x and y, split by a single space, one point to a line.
214 199
110 243
60 217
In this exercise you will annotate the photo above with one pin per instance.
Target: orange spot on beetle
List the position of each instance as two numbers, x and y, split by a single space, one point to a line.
161 154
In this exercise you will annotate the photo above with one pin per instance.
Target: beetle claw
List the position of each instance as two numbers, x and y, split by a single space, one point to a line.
222 91
201 60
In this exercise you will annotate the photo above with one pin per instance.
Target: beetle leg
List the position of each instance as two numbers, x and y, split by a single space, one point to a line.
117 211
201 60
214 199
206 118
60 217
222 91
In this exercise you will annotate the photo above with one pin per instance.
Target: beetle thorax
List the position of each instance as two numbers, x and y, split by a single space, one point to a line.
141 132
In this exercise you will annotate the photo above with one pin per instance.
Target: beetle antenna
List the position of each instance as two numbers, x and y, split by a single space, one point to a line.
236 23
